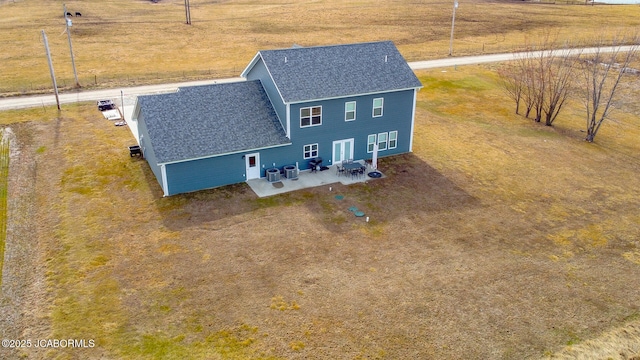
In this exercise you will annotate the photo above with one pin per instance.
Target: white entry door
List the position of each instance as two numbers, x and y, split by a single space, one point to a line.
253 165
342 150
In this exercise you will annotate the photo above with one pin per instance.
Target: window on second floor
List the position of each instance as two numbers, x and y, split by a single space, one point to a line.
350 111
378 104
311 116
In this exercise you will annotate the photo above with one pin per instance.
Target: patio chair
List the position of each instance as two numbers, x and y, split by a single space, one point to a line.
340 170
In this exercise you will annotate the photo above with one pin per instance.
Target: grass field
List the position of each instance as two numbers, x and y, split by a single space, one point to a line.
125 42
498 238
4 173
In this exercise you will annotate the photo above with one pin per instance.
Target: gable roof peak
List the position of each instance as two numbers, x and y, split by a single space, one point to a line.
331 71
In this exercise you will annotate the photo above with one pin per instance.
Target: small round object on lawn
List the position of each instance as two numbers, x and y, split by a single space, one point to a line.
358 213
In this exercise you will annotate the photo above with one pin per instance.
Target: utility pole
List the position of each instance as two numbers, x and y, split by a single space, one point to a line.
122 104
453 21
67 23
53 77
187 10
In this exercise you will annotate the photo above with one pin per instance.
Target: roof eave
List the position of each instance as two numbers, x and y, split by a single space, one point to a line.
222 154
251 64
353 95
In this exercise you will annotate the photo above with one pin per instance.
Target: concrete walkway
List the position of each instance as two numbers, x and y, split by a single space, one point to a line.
306 179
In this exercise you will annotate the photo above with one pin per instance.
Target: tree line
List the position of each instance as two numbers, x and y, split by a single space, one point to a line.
543 79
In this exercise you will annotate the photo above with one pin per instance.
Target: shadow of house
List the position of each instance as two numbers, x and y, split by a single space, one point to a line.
411 187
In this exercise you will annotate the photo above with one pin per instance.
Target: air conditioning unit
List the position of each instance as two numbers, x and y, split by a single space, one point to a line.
291 172
273 175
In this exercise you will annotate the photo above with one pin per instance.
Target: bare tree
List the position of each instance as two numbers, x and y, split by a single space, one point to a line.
602 73
541 78
513 83
558 78
538 68
529 80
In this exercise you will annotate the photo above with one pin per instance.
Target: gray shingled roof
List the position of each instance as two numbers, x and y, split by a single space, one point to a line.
210 120
322 72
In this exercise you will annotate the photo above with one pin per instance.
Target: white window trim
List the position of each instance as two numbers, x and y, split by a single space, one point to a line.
375 140
349 111
381 107
389 140
385 142
304 151
311 116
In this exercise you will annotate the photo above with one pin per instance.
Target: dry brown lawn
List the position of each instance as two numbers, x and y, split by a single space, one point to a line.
124 42
497 238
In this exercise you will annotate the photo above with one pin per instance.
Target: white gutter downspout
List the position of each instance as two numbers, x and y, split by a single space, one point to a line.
288 121
165 184
413 118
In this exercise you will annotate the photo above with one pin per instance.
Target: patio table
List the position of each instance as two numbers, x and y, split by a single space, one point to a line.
351 167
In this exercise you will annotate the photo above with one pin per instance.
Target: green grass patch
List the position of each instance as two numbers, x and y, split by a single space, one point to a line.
233 344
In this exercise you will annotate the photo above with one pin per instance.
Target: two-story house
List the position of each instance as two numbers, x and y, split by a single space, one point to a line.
296 105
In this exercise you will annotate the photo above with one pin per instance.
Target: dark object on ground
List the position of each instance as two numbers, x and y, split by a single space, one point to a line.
375 174
105 105
69 14
78 14
315 164
135 150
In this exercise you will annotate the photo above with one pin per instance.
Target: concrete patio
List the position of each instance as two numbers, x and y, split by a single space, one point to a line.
307 179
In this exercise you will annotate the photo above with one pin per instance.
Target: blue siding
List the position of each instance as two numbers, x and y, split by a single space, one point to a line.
218 171
205 173
259 72
397 116
230 169
147 149
280 156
